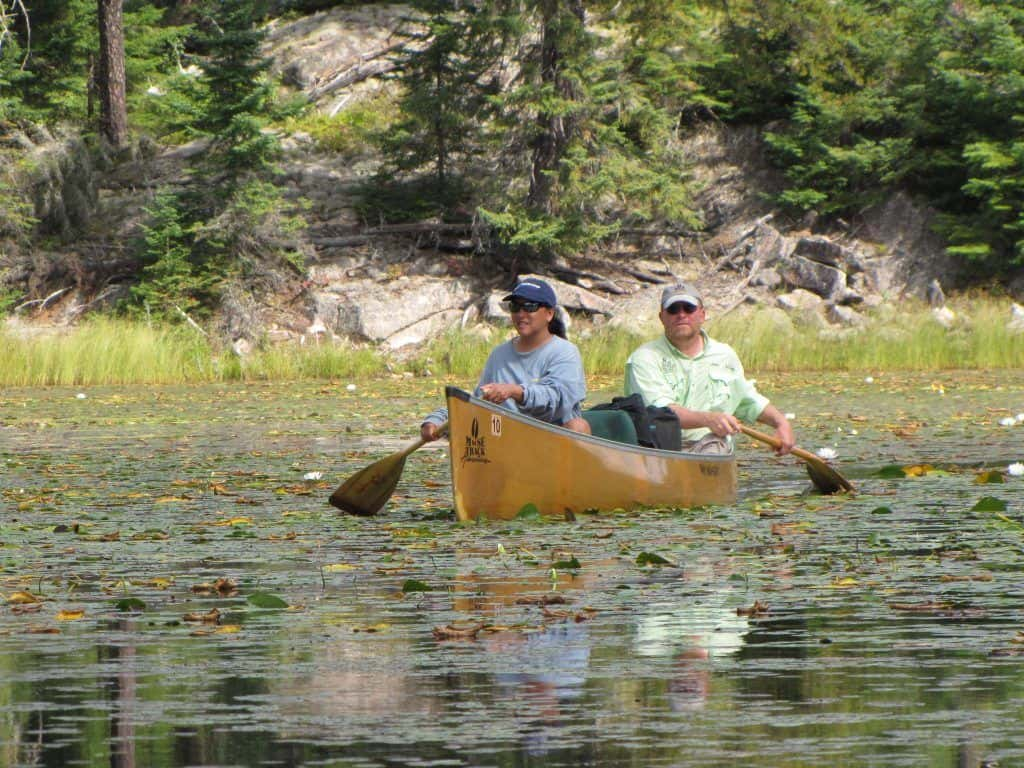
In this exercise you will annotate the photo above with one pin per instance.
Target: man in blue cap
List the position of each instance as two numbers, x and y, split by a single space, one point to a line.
700 379
539 373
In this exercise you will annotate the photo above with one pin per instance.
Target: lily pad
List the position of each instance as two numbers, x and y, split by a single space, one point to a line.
266 600
989 504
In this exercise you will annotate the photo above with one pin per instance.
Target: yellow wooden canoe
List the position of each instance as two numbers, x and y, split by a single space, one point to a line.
502 461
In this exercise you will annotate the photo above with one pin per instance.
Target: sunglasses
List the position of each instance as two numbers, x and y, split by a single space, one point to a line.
682 306
524 306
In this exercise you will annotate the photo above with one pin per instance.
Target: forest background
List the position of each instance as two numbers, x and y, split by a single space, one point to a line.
553 126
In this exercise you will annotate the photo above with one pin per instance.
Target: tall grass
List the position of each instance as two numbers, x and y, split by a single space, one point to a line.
909 337
116 351
106 351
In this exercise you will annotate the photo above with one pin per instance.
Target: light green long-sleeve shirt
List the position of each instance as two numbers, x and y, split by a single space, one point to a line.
711 381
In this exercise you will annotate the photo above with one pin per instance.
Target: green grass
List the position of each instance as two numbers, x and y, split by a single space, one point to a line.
906 338
106 351
352 130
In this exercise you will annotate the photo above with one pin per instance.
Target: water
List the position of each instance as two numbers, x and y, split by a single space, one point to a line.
788 629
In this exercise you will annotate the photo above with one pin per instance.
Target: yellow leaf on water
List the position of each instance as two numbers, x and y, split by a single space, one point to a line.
22 598
235 521
228 629
70 615
336 567
918 470
373 627
844 583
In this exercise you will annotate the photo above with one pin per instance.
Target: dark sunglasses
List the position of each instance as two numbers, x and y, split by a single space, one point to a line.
524 306
682 306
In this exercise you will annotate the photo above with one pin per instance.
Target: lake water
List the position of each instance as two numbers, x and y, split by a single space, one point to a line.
177 593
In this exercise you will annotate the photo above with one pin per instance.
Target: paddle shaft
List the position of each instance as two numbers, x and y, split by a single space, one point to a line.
441 429
775 443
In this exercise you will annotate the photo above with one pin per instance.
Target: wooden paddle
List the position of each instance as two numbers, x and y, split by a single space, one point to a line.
369 489
824 477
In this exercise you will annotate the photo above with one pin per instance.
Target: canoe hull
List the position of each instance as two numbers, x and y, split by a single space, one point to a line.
501 461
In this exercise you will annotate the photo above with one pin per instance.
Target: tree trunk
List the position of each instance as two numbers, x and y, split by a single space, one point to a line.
111 80
555 129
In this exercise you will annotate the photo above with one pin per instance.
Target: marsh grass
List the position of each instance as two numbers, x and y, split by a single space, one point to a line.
316 361
116 351
906 338
106 351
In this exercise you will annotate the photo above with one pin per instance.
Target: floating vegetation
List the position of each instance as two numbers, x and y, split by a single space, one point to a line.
173 581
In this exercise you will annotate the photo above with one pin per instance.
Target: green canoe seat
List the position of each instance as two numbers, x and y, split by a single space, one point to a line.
612 425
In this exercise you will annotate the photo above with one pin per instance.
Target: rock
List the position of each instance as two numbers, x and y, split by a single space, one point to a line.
639 312
423 330
399 312
798 299
944 316
933 292
241 347
493 311
767 278
800 272
910 253
845 316
822 250
1016 324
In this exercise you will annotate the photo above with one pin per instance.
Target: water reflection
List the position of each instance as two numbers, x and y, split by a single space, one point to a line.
123 698
699 636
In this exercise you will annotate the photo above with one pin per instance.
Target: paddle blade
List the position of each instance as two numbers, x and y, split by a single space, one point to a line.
369 489
826 479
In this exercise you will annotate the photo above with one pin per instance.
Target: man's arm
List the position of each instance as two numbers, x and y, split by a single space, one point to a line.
773 417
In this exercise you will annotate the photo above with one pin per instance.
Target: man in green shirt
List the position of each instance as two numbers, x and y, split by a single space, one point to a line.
699 378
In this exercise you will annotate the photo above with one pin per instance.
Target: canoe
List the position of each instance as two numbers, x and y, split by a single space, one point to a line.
501 461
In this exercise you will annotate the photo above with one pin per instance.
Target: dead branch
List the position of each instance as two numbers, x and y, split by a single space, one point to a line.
368 66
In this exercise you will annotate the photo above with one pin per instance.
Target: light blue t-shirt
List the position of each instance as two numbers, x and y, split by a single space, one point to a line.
551 376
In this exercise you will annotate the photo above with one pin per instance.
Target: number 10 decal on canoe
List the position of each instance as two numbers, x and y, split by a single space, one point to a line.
502 461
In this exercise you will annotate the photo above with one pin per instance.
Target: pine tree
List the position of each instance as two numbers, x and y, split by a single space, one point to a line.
236 90
443 106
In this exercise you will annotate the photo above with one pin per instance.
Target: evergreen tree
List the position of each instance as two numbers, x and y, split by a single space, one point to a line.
443 107
236 90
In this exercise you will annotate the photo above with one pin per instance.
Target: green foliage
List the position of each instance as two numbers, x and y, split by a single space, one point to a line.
63 37
175 280
16 220
350 133
9 299
459 353
568 150
443 103
923 96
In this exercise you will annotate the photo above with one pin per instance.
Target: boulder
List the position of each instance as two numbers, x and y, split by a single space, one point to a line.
821 279
399 312
798 300
823 250
1016 324
845 316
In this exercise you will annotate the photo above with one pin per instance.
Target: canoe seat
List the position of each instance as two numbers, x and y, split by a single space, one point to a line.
612 425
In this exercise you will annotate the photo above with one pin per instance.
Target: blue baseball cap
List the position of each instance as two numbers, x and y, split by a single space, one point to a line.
532 289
